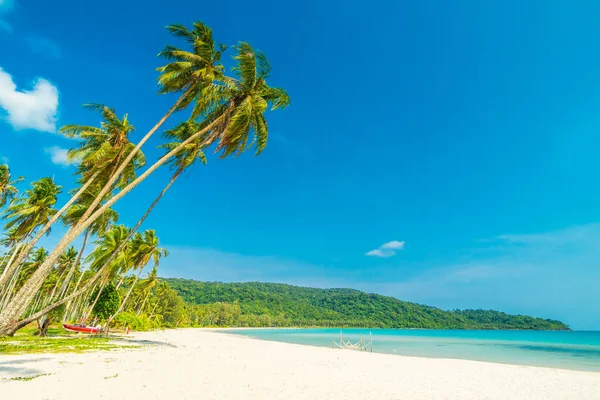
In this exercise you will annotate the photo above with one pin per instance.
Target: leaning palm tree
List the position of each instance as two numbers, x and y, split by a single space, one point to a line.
65 263
27 213
149 283
144 248
7 186
103 260
102 149
189 73
21 274
34 208
193 71
98 228
99 154
230 122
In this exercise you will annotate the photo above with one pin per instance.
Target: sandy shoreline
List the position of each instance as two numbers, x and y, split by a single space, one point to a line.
198 363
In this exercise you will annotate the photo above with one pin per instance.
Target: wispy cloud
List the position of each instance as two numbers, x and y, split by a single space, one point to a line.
551 275
29 109
388 249
43 46
59 156
4 160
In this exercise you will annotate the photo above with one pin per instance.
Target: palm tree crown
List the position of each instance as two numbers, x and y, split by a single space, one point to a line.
33 208
193 71
102 149
242 104
106 245
144 248
7 188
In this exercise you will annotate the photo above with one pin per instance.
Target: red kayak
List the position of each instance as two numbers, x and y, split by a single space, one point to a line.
79 328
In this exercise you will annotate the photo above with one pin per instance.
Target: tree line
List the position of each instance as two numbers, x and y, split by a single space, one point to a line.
224 112
272 304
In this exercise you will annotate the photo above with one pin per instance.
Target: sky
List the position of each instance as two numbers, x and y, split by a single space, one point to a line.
442 153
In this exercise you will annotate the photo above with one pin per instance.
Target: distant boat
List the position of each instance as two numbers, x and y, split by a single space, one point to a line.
80 328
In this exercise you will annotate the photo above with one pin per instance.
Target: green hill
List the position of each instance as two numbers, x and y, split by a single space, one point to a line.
273 304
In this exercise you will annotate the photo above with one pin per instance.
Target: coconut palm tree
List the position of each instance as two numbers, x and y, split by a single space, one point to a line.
229 122
22 273
98 228
7 187
144 248
103 260
99 154
66 262
27 213
34 208
102 149
148 284
189 72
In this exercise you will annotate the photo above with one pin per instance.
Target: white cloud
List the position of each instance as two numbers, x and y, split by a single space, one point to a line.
3 160
29 109
379 253
394 245
59 156
386 250
43 46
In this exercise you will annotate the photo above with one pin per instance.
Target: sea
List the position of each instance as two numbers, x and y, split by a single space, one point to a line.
575 350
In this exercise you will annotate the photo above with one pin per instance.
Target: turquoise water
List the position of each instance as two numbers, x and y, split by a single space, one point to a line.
568 350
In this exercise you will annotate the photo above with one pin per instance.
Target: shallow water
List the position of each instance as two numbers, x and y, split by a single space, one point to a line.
555 349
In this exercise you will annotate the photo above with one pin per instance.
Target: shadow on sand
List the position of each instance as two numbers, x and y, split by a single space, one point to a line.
141 342
14 367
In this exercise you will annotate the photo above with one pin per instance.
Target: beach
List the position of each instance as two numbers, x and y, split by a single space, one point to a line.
199 363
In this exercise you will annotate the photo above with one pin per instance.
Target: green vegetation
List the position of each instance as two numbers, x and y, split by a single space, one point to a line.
108 302
62 344
27 378
28 340
270 304
224 111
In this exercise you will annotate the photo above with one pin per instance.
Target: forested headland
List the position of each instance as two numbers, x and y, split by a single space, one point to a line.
256 304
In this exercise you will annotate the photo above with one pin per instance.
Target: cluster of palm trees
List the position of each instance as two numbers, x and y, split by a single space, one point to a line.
226 113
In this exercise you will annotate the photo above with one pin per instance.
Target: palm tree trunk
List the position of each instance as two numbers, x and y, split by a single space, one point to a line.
10 260
68 307
11 287
123 302
5 275
139 311
36 303
113 178
121 281
65 284
10 315
18 325
47 226
106 187
100 289
153 309
49 299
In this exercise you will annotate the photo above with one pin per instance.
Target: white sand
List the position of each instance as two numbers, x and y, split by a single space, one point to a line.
199 364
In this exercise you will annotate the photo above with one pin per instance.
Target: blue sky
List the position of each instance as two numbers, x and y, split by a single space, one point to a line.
444 154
